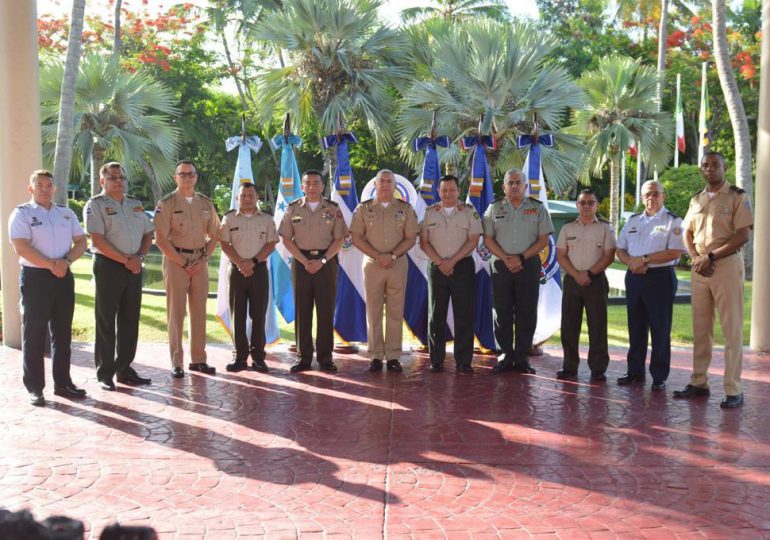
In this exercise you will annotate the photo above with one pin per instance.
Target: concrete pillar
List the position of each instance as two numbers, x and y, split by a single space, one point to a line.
20 145
760 307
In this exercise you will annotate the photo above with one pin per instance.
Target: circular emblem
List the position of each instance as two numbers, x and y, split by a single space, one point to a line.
347 244
549 264
483 252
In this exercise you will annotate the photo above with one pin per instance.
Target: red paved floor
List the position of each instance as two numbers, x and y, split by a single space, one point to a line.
417 455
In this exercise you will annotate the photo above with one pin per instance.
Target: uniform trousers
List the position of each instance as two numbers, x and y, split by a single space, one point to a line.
723 290
248 295
515 295
461 288
593 299
183 291
47 303
650 308
118 298
314 291
385 286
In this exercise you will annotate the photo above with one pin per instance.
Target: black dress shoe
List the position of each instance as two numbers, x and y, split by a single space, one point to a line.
375 365
300 365
177 372
598 376
36 399
329 366
69 391
394 366
259 365
133 379
524 368
238 365
630 379
436 368
691 391
202 367
464 369
732 402
565 374
502 367
107 385
658 385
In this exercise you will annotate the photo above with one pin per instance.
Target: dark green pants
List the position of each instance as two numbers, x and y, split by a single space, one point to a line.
461 288
593 299
514 296
248 295
314 291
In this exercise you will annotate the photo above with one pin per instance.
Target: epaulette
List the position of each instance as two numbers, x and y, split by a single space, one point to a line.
25 205
435 206
602 220
295 201
534 200
61 205
98 196
132 197
202 195
367 202
639 214
167 197
331 202
497 200
737 189
230 212
469 206
670 213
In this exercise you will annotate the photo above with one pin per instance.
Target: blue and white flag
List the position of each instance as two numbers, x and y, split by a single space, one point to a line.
350 309
243 174
549 302
416 294
481 195
289 188
431 171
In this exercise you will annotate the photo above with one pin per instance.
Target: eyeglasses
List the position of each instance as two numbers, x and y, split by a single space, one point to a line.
586 203
187 174
651 194
115 178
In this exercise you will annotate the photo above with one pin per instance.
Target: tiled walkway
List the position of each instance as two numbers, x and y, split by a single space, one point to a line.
417 455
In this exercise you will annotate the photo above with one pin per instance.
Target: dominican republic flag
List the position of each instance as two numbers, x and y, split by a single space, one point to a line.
289 189
481 195
679 116
549 302
416 294
243 175
350 309
431 171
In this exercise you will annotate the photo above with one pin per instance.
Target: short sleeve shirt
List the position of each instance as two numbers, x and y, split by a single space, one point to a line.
123 224
247 234
643 235
50 231
186 225
384 228
313 229
714 220
447 234
516 229
586 244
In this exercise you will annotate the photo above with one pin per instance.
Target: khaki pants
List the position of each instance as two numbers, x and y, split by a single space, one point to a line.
182 289
723 290
385 285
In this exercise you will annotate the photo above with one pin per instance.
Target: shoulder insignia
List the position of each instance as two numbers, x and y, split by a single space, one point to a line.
229 212
99 196
25 205
535 200
639 214
166 197
295 201
132 197
497 200
670 213
602 220
469 206
61 205
738 190
202 195
331 202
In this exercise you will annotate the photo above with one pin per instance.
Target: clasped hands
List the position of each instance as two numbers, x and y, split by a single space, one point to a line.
703 265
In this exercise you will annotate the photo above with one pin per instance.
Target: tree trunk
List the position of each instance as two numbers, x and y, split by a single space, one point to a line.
62 160
615 189
117 44
737 113
97 160
662 37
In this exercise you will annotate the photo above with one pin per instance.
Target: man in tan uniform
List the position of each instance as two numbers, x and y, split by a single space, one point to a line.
449 233
248 237
716 227
384 229
313 231
186 229
585 249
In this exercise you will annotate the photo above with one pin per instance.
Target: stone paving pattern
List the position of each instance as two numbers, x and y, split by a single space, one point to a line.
417 455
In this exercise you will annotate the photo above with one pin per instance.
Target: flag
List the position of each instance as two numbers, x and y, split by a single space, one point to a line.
289 188
243 174
679 116
549 301
431 171
633 149
350 308
416 294
704 119
481 195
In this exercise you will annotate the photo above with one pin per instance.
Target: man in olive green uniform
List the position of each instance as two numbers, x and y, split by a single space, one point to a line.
186 231
516 229
716 228
384 229
449 233
248 237
121 235
313 231
585 249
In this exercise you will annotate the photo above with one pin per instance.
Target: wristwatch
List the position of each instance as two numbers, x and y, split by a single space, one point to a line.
68 260
645 259
393 256
711 256
141 256
521 258
323 260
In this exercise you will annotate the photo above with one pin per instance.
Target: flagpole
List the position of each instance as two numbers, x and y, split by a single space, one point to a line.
678 112
638 180
622 183
702 119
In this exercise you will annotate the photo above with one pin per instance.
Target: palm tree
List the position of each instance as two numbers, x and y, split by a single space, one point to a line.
498 70
621 108
455 10
118 115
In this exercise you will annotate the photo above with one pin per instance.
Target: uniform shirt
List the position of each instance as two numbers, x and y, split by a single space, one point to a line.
516 229
645 234
50 231
123 224
248 235
586 244
186 225
447 234
313 230
714 221
384 228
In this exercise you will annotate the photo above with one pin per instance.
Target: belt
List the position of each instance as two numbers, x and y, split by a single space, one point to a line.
313 253
190 251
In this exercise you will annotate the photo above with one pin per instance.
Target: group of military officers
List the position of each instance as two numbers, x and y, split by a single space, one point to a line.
515 228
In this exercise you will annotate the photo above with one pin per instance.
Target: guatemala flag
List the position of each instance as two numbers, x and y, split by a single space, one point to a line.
481 195
350 308
549 302
289 189
243 174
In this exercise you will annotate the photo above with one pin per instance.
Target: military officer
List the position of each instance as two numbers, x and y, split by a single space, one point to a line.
186 229
384 228
121 235
516 229
313 231
47 238
248 237
650 245
716 228
585 249
449 233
